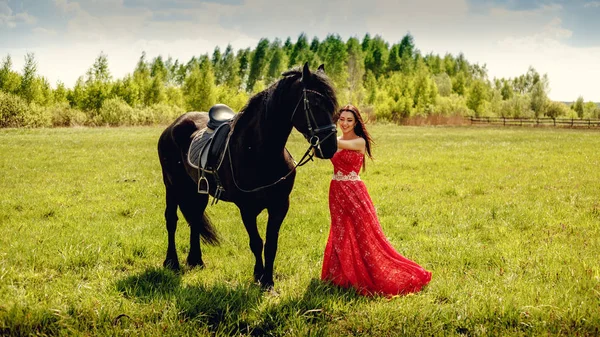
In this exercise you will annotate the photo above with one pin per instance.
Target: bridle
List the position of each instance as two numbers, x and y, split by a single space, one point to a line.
313 132
312 136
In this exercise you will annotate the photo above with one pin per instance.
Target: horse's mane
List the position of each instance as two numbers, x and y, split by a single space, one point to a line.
266 101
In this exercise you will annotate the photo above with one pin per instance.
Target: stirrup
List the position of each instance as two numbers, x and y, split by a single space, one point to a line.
203 185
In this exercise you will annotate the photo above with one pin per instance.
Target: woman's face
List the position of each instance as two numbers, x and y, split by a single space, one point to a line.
347 122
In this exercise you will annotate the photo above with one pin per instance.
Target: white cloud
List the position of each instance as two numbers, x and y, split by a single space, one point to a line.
10 20
44 32
507 41
67 6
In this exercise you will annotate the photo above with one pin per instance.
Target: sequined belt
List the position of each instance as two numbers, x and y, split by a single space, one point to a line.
352 176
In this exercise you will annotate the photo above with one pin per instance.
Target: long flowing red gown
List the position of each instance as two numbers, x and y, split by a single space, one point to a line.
358 254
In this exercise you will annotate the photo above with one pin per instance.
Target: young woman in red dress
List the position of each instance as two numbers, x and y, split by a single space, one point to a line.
358 254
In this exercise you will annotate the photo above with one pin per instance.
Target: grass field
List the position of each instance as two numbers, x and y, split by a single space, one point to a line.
508 221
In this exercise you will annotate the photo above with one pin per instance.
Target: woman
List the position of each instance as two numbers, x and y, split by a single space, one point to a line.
358 254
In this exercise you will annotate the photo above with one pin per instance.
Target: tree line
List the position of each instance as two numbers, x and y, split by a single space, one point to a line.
389 82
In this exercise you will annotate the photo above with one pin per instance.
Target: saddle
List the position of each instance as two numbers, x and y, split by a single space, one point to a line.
208 147
219 114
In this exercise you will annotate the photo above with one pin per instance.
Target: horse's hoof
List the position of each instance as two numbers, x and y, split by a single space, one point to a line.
196 264
172 264
267 286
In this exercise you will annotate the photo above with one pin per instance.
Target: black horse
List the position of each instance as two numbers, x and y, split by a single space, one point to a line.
256 171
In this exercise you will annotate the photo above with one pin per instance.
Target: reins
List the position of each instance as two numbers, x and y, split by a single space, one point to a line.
313 143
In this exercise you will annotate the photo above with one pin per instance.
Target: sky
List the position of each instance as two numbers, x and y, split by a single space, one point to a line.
557 38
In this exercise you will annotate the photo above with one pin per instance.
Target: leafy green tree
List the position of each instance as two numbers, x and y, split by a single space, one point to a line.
507 90
449 65
243 57
277 63
539 99
591 110
421 95
462 65
77 95
217 64
230 69
394 59
158 68
314 45
371 87
10 81
30 88
98 85
47 97
60 93
578 107
477 97
142 77
376 56
157 92
443 84
434 62
128 89
556 109
299 52
407 52
335 58
459 84
99 70
199 88
288 46
356 71
366 42
257 65
479 72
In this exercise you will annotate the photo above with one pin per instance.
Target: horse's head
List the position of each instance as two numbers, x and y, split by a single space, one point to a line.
313 115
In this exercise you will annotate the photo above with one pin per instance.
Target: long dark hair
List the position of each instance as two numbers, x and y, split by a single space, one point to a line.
359 128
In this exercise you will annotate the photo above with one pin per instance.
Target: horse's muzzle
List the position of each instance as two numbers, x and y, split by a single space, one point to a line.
326 148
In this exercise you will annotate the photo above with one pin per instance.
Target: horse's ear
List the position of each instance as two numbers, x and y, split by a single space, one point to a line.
305 73
321 68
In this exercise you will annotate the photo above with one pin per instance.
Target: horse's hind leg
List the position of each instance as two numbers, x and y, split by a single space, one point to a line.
192 205
256 244
171 261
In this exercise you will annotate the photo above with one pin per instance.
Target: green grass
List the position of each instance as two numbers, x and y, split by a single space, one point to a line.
508 221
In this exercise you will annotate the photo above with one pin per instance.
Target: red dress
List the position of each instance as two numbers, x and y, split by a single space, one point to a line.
357 253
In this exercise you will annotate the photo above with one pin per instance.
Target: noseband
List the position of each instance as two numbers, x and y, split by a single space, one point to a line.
313 132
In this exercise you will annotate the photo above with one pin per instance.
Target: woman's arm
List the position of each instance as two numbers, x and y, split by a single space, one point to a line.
357 144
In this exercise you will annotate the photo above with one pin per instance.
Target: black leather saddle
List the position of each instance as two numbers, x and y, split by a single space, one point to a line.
219 114
206 153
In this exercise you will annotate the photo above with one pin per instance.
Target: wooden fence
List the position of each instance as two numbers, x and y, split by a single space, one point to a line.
546 121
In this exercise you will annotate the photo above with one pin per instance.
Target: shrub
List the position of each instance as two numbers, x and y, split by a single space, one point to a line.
37 117
115 112
63 115
452 105
158 114
12 110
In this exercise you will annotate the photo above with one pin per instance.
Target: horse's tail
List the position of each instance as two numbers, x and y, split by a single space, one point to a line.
208 233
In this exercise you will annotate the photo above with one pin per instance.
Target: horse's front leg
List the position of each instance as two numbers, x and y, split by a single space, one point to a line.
276 215
256 244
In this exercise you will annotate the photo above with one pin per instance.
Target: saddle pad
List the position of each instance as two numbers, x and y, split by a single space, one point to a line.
198 143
